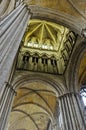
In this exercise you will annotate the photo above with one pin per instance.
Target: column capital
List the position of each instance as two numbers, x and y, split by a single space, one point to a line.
11 87
68 93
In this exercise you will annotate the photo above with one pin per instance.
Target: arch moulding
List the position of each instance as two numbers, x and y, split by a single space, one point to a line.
71 74
66 20
57 83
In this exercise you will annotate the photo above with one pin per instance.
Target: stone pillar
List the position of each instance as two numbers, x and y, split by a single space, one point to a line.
50 126
71 112
12 30
50 69
6 105
39 64
30 63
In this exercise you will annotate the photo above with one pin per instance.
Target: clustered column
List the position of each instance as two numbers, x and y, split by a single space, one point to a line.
71 112
6 104
12 30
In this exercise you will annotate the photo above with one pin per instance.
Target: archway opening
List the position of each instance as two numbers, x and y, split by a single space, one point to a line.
45 47
34 107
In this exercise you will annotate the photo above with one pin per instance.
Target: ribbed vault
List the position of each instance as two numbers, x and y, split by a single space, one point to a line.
70 6
67 12
46 52
46 47
34 107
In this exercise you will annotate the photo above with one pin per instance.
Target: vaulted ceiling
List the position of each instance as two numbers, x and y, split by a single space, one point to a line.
71 7
32 108
75 8
44 38
35 103
63 11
